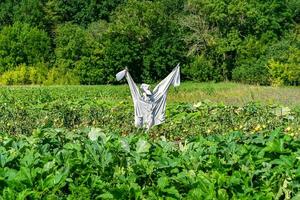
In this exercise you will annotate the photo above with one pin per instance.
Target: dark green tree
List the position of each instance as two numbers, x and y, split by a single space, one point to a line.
222 31
7 12
30 12
78 50
145 39
80 12
23 44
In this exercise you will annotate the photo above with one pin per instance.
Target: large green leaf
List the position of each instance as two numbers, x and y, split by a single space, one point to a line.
142 146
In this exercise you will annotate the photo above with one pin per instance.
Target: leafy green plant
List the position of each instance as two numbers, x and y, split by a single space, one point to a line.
56 163
69 142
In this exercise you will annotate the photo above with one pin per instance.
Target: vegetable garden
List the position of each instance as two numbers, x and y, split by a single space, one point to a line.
67 143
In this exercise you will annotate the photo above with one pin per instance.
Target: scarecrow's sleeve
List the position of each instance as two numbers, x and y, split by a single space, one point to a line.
136 97
133 87
160 94
172 79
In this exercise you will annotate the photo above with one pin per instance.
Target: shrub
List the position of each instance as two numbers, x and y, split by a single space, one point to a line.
201 69
38 73
25 75
18 76
22 44
61 76
284 60
286 73
251 62
252 74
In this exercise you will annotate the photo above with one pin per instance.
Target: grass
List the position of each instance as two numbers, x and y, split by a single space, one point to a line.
236 94
225 92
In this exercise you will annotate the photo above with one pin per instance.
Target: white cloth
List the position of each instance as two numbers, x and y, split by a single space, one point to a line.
149 107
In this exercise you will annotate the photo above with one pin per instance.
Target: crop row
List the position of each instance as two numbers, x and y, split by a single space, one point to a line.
91 163
182 119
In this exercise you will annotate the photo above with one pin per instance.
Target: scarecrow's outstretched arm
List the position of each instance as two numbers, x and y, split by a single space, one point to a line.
134 90
172 79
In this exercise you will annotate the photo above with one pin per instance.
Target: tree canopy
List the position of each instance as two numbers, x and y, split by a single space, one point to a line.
88 41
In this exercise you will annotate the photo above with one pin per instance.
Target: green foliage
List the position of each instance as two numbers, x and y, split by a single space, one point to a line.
23 75
81 12
284 74
30 12
78 52
236 34
6 12
19 76
61 76
69 142
95 39
158 61
26 109
22 44
72 42
252 62
277 63
38 73
252 72
142 37
57 163
200 69
284 66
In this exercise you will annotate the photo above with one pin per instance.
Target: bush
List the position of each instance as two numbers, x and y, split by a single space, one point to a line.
284 59
286 73
257 73
38 73
78 50
22 44
251 62
23 75
18 76
61 76
201 69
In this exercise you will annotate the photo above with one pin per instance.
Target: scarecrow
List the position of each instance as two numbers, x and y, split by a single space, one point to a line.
149 107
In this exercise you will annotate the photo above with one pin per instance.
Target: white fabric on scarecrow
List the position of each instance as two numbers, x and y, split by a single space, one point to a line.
149 107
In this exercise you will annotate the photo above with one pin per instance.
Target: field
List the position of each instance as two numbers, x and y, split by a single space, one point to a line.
220 141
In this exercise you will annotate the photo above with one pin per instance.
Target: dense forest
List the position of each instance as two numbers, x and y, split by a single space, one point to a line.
88 41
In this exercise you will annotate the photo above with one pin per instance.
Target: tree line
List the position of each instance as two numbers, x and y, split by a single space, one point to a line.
88 41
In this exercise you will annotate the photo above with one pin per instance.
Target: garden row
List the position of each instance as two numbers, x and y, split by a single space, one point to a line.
183 119
92 163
